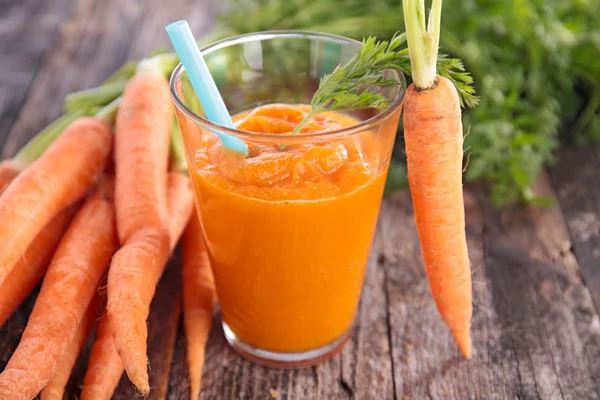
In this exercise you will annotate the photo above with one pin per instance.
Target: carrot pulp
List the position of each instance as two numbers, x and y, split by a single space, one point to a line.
288 232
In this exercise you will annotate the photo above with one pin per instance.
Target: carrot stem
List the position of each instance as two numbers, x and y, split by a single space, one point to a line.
301 125
113 87
305 121
122 74
98 96
108 113
162 64
423 41
40 143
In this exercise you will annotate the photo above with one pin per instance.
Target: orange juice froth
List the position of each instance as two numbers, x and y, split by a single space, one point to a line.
289 231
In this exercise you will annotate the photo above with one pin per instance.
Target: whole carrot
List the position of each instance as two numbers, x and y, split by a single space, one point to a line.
198 300
33 263
69 285
434 151
141 158
55 388
105 367
56 180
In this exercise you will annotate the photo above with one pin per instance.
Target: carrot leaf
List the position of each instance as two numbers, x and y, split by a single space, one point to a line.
348 86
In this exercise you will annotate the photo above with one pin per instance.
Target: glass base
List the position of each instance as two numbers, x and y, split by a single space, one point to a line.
284 360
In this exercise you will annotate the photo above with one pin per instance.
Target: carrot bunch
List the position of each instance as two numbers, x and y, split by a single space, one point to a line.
100 242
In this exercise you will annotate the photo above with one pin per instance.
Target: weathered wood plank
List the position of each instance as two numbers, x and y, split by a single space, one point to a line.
199 14
179 384
427 363
532 318
366 368
575 177
546 310
94 41
28 29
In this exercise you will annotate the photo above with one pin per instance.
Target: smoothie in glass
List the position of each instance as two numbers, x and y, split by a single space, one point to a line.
289 228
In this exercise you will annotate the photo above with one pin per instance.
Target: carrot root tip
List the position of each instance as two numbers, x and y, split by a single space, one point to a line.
463 339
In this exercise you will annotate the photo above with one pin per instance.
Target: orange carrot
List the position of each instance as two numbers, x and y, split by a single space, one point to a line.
141 158
105 367
34 148
69 285
55 388
33 263
198 300
142 154
8 172
61 176
434 151
181 204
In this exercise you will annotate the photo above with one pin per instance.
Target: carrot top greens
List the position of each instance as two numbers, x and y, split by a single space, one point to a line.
423 40
344 88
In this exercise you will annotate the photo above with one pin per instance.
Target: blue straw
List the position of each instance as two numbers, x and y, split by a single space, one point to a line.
185 45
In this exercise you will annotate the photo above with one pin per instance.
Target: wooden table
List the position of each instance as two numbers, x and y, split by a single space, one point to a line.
536 273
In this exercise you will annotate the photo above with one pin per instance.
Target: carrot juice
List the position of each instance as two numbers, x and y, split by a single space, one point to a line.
289 226
289 231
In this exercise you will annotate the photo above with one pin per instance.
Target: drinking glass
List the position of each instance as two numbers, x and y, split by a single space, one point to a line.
288 229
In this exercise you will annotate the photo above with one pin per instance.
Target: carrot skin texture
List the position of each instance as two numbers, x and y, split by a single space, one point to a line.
61 176
134 272
69 285
434 149
33 263
104 368
141 161
198 301
180 200
142 154
55 388
8 172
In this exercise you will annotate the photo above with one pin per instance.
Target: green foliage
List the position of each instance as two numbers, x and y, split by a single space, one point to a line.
346 88
536 66
343 89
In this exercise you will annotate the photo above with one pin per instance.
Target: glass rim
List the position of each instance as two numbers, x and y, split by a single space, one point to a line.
367 124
